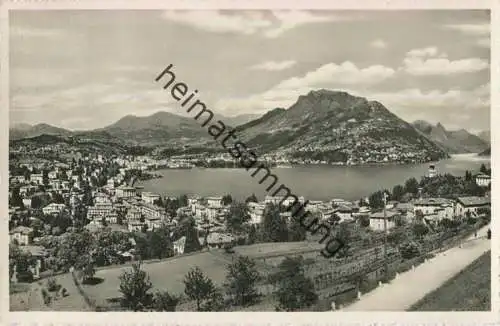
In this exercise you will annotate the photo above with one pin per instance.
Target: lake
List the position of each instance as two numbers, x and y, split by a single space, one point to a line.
313 182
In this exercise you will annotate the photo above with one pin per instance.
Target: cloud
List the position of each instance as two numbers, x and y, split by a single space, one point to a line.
429 61
269 24
478 97
436 105
294 18
329 75
378 44
429 51
274 65
471 29
218 22
21 31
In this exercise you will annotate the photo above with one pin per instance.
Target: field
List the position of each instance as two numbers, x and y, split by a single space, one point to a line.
277 248
164 275
470 290
31 298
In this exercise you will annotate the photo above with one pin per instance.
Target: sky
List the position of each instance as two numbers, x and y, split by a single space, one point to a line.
86 69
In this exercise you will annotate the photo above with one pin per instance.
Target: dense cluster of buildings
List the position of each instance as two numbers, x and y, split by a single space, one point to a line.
66 188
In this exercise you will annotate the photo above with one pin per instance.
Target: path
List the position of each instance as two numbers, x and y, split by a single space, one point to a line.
411 286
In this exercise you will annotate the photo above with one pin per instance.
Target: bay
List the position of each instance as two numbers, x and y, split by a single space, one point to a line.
313 182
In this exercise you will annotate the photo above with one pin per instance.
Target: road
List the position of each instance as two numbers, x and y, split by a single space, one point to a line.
409 287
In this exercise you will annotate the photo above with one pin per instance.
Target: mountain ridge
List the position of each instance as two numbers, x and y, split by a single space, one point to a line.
453 141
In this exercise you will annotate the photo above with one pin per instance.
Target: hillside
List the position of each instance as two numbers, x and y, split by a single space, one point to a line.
160 128
485 135
335 126
83 143
239 119
486 152
452 141
23 130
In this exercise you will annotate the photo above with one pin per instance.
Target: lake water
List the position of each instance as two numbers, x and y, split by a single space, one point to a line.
312 182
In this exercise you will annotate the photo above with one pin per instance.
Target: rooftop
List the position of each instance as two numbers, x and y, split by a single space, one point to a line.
432 201
380 215
474 201
22 230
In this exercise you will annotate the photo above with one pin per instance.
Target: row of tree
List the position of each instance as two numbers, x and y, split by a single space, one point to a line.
444 185
293 290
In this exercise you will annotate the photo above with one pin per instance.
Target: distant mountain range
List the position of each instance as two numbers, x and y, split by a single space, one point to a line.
25 130
334 124
158 129
485 135
453 141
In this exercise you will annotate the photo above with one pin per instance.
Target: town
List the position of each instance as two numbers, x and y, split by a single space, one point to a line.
84 213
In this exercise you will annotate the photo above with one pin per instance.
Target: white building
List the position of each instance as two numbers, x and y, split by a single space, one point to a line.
125 192
37 178
429 206
179 246
22 234
53 208
471 204
149 197
27 202
377 220
483 180
256 212
215 201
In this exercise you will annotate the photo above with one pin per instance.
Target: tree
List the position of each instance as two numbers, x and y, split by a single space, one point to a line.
483 169
252 234
199 288
397 192
227 200
237 217
396 236
45 177
160 243
411 186
85 265
188 228
294 290
16 199
183 201
296 231
57 198
274 228
164 301
420 229
364 221
409 250
72 247
419 215
241 279
251 199
376 199
135 286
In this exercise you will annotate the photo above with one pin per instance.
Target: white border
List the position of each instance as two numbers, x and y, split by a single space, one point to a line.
262 318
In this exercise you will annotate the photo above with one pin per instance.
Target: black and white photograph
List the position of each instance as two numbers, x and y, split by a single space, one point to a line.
274 160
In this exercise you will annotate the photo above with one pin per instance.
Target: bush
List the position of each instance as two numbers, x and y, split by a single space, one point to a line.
64 292
46 297
409 250
52 285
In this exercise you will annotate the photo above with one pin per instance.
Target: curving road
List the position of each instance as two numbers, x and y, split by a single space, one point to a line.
409 287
